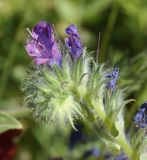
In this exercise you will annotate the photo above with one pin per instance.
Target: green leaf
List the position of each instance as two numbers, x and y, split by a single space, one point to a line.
8 122
143 150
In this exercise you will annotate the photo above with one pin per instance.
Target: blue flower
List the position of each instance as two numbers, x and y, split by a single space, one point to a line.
140 118
113 76
73 42
42 46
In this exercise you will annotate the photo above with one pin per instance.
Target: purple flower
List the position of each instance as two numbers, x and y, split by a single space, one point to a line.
73 42
140 118
113 76
121 156
42 46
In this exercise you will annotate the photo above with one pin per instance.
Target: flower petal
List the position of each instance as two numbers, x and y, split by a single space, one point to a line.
43 47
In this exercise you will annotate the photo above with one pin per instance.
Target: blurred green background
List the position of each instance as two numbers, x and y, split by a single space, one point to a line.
123 28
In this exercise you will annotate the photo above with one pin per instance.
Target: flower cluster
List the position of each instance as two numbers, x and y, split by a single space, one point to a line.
49 87
43 47
69 85
140 118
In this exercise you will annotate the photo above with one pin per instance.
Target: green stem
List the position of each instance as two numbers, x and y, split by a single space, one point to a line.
108 31
101 113
121 140
125 146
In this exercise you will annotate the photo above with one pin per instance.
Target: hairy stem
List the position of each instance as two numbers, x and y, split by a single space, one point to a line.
125 146
121 140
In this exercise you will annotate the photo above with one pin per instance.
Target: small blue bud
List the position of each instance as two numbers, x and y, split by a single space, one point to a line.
140 119
114 76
